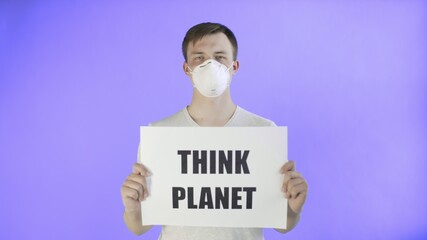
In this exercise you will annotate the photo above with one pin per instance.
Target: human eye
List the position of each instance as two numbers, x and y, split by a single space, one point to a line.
198 58
220 58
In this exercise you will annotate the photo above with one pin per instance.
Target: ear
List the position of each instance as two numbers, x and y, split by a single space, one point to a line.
186 68
236 65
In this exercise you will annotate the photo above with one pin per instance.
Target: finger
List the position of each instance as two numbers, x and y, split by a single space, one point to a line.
137 178
293 183
136 186
298 194
139 168
141 180
298 190
128 192
288 177
288 166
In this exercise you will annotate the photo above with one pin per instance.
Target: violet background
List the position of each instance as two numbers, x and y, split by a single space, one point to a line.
78 78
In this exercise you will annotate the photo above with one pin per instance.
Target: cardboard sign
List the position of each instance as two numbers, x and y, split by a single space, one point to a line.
214 176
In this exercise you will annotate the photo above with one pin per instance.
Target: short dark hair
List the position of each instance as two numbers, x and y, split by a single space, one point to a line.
198 31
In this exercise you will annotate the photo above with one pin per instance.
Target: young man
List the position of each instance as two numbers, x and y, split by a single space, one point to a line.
210 52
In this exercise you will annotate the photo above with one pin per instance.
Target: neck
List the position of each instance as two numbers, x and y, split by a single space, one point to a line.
215 112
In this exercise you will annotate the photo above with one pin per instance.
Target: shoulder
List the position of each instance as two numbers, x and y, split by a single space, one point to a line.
246 118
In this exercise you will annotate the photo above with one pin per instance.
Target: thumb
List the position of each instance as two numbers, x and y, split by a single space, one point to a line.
288 166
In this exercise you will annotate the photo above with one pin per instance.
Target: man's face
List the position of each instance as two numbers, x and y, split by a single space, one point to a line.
214 46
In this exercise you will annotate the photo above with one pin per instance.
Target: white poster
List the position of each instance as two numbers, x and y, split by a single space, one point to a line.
214 176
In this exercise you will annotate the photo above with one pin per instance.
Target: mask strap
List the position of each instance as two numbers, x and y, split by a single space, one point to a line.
229 80
230 65
191 70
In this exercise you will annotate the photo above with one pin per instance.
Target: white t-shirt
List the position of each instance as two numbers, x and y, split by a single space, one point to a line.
240 118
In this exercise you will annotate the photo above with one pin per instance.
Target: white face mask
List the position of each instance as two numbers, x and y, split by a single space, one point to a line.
211 78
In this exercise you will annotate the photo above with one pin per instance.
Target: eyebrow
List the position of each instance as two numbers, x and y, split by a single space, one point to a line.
195 53
217 52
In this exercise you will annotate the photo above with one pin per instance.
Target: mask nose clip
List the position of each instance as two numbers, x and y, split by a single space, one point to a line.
206 64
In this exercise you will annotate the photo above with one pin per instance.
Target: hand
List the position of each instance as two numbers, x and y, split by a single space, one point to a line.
294 186
134 190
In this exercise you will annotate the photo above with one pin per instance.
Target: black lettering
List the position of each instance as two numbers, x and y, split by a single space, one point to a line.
249 191
225 161
212 159
200 161
221 198
235 198
178 193
241 162
205 198
184 165
190 199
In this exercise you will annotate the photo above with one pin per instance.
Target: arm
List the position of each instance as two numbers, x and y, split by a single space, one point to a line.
134 191
292 221
295 189
133 221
